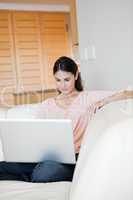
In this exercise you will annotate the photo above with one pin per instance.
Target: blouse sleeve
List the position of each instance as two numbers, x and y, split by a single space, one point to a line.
90 98
94 96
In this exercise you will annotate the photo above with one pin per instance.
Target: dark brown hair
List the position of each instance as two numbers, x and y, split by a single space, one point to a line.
66 64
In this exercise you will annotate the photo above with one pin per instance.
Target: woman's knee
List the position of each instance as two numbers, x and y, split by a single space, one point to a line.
51 171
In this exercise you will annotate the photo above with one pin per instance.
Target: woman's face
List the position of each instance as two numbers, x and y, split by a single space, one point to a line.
65 81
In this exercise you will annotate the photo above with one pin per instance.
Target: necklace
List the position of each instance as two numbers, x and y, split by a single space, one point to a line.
68 96
64 101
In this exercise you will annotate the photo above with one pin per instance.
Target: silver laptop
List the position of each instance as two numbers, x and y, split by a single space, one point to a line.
36 140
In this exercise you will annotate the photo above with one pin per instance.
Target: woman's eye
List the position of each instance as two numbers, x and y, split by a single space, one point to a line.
67 80
57 80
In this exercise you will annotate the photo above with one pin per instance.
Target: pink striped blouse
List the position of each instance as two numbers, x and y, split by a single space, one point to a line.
79 112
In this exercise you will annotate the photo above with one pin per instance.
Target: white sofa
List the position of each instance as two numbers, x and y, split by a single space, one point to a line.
104 167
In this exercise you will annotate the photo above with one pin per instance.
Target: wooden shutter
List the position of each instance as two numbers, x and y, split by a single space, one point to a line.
28 51
30 42
7 64
55 42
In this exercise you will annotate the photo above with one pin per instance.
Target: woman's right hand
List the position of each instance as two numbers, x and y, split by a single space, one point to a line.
99 104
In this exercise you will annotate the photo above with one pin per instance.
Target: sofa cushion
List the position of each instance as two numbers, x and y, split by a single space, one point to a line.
18 190
104 167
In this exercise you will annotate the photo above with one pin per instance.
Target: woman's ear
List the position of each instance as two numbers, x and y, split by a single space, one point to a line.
77 73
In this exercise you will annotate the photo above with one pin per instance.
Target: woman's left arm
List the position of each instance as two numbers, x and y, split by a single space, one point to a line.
125 94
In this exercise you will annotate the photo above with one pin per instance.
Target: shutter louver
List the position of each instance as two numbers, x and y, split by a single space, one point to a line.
28 57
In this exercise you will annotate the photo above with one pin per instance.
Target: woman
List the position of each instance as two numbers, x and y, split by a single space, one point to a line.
72 102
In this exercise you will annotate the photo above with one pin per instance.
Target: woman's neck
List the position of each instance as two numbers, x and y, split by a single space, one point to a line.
70 94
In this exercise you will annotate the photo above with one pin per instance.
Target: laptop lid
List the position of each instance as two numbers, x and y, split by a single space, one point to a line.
36 140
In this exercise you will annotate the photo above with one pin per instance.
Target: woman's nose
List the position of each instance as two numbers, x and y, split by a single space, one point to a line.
63 84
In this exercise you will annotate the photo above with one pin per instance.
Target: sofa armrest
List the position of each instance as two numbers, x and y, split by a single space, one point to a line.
104 167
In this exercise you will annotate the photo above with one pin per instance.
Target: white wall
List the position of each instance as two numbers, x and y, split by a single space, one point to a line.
106 31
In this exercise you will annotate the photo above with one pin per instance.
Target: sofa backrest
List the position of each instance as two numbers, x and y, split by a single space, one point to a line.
3 113
27 111
20 111
105 163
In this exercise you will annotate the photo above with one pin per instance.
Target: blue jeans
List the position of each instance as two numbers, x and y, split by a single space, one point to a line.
47 171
